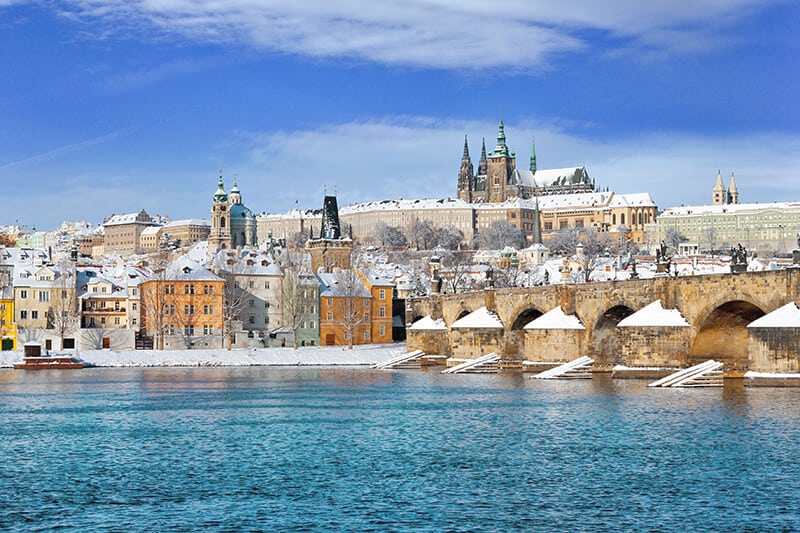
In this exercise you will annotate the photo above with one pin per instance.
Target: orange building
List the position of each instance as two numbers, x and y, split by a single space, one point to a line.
183 307
381 292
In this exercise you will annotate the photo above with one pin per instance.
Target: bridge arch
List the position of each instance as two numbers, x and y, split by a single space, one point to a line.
458 314
604 344
515 337
721 331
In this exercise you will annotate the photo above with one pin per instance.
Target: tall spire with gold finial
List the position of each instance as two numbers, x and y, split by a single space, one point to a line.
533 156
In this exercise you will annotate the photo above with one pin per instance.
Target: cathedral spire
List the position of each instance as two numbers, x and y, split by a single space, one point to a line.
733 192
483 163
718 193
533 155
466 150
501 149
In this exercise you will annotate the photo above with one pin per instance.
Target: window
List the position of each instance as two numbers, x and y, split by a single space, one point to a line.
382 311
251 283
91 321
563 224
548 226
116 320
330 301
188 289
382 294
133 321
23 315
188 330
188 309
102 304
251 319
134 306
366 315
169 330
44 296
94 289
208 289
134 292
252 303
103 320
366 335
382 330
266 284
312 324
34 315
330 315
116 306
208 330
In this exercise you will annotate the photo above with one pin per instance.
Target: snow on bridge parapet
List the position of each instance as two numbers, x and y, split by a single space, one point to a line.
555 319
654 315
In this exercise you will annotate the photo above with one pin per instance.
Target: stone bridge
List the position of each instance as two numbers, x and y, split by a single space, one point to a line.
717 308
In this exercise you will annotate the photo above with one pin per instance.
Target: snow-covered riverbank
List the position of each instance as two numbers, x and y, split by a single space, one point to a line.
304 356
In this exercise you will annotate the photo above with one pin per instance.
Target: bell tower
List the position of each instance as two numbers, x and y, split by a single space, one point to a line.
220 235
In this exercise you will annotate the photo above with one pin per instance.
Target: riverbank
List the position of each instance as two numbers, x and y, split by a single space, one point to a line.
303 356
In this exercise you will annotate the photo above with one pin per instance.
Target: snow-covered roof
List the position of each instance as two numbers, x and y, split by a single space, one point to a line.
128 218
341 284
480 318
551 177
555 319
428 324
151 230
654 315
401 204
787 316
187 222
694 210
187 269
639 199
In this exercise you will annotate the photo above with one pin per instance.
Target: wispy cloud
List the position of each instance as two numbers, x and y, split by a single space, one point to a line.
451 34
63 150
415 157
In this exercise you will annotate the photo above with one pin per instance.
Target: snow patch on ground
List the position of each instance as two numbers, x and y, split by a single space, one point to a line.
303 356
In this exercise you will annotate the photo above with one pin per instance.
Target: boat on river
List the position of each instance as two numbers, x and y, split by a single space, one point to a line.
34 360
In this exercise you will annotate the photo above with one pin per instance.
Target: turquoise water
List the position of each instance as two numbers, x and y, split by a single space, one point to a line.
279 449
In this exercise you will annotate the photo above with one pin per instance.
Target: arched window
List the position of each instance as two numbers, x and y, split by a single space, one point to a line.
614 219
622 219
222 222
641 219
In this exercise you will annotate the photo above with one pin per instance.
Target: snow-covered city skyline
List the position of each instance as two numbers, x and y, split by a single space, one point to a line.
114 107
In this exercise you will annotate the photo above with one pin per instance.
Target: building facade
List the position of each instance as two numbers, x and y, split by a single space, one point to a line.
123 232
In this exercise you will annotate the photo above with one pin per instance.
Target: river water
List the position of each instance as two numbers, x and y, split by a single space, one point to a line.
352 449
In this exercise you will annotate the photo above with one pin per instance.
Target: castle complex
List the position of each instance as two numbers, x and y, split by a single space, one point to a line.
498 179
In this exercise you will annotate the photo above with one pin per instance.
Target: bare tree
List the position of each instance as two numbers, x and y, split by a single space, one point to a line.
354 298
63 315
448 237
234 301
563 241
501 234
293 300
156 295
673 238
457 268
388 236
708 239
422 234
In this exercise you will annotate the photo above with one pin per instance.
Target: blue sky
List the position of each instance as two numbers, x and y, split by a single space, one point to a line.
111 106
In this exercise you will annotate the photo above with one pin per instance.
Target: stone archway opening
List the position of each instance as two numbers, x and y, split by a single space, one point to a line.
723 335
515 338
605 348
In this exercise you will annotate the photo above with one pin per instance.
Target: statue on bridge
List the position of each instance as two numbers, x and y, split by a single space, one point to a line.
738 258
663 261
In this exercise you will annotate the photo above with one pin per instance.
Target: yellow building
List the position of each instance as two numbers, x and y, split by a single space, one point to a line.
8 328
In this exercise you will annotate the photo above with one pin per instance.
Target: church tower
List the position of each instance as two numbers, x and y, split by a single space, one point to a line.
500 172
220 235
465 175
718 194
733 192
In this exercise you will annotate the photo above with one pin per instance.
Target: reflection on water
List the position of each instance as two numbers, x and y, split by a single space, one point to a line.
265 448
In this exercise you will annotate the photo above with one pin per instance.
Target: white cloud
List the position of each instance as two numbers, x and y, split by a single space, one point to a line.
414 157
463 34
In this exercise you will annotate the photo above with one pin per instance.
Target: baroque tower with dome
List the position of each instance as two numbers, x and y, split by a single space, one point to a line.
233 225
